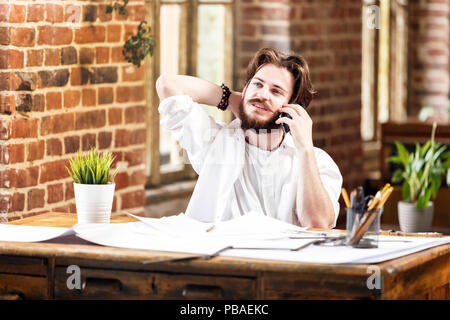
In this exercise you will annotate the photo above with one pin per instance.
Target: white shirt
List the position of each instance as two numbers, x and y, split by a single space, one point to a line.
236 177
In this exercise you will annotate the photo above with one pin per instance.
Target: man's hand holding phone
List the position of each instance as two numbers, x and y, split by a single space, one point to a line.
299 124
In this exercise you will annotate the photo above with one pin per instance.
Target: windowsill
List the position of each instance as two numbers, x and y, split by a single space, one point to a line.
169 191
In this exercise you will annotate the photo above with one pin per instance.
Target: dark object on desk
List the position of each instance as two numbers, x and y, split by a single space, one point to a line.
285 127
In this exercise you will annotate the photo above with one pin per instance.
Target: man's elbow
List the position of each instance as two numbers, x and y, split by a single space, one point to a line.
164 87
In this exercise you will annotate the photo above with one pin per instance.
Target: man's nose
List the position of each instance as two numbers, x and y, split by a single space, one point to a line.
263 94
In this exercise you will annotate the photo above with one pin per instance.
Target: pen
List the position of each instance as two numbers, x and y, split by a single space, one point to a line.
345 196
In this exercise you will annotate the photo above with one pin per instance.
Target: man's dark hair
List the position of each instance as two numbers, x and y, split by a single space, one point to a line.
303 90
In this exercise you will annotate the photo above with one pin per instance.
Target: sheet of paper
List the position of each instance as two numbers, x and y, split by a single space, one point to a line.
390 247
249 226
20 233
133 235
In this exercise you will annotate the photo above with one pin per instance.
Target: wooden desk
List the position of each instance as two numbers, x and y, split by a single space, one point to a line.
39 271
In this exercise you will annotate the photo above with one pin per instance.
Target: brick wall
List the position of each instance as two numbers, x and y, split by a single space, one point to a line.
429 56
64 87
328 34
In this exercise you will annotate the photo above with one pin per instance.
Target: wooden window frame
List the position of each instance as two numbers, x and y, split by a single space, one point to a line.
187 65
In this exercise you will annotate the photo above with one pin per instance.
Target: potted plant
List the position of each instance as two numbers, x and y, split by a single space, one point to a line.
93 185
421 174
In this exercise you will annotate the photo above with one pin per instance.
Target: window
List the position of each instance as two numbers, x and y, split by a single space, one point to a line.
193 37
384 64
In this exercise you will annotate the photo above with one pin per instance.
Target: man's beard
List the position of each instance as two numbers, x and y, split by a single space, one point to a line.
247 122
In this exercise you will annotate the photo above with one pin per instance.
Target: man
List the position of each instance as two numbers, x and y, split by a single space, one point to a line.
252 164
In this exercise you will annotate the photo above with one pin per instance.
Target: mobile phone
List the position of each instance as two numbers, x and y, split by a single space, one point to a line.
284 125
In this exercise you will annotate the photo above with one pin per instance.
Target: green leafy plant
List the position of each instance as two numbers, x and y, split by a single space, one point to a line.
138 46
92 168
120 9
421 172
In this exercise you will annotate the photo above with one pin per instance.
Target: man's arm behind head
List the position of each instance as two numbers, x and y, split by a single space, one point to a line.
201 91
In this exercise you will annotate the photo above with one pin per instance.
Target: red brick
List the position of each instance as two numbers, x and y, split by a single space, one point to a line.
90 34
89 97
24 128
137 93
88 141
123 94
36 150
17 14
18 202
16 153
5 201
105 95
5 10
90 119
121 180
57 123
86 55
104 140
7 104
132 73
138 177
35 12
132 199
122 138
52 57
129 31
55 170
72 98
69 194
34 58
136 12
23 178
54 147
5 35
114 33
71 144
11 59
5 129
23 37
54 100
138 136
79 76
102 15
117 55
102 54
54 12
55 193
54 35
135 114
135 157
36 198
114 116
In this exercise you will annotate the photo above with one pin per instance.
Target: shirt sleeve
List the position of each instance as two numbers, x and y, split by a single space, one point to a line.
331 179
194 129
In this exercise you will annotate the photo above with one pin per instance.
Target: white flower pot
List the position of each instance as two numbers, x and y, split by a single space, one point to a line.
412 219
94 202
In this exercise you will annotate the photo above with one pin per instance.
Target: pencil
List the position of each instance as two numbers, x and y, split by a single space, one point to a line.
210 228
345 196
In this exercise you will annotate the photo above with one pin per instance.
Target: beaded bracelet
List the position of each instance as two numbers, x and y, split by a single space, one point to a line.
223 104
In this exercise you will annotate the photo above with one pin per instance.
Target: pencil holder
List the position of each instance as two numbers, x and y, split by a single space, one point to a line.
369 238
